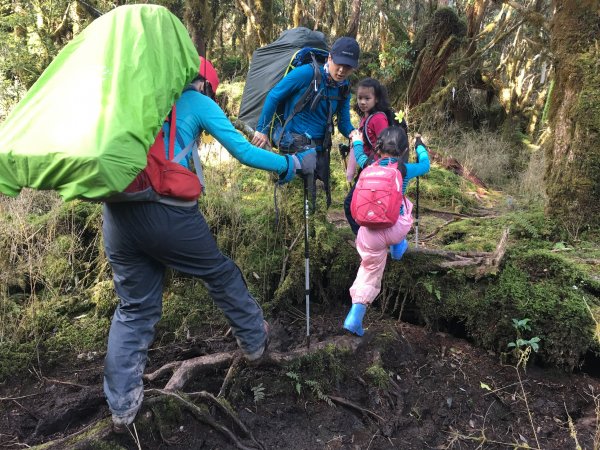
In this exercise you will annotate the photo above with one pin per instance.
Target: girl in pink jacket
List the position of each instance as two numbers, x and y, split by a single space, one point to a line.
372 244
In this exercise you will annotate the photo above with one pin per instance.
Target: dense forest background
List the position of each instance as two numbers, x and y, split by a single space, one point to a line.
529 69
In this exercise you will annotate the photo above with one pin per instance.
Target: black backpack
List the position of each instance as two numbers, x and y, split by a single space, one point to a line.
272 62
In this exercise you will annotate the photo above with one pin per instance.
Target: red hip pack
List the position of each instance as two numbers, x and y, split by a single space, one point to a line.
377 197
165 176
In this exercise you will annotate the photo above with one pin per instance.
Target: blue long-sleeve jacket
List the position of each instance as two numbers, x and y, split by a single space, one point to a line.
413 170
196 112
306 122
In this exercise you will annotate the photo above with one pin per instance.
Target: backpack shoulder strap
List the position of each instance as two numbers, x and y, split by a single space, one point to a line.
311 90
185 149
402 169
172 119
366 127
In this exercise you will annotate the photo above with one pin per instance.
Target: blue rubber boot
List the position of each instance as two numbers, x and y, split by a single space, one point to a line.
397 250
353 322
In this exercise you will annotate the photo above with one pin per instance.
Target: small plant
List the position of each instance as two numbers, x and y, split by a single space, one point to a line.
432 289
296 381
526 226
314 386
259 393
523 348
521 345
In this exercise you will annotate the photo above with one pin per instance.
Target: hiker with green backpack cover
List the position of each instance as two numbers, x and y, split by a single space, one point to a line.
93 127
143 238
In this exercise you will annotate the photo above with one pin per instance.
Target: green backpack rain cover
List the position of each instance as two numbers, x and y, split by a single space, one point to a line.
85 127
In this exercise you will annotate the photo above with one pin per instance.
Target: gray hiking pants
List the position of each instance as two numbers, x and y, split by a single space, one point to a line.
141 239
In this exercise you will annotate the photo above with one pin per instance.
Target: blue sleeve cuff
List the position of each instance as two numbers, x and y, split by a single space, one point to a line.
287 175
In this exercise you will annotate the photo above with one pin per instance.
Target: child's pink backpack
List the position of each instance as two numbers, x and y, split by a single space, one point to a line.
377 197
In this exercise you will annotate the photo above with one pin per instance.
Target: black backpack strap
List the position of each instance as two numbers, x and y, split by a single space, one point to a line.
402 169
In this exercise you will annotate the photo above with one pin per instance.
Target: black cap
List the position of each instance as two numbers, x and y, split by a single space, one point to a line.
345 51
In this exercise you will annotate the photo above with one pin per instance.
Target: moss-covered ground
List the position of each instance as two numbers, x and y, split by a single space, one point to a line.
57 296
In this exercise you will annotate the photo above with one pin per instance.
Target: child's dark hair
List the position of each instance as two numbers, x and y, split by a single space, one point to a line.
383 101
394 142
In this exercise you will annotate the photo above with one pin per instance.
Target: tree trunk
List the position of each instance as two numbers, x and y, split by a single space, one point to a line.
475 14
321 8
260 18
264 12
338 16
435 43
298 16
198 20
573 149
354 19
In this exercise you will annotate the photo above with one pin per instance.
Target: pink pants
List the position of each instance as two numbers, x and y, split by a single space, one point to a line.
372 246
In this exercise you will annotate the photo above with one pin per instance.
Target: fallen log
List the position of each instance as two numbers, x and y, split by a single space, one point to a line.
485 262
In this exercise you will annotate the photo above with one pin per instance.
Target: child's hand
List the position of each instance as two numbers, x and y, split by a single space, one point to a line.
418 140
356 135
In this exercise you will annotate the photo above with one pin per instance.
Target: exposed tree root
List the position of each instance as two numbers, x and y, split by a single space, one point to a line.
224 410
437 230
480 213
183 371
186 370
233 370
199 414
347 403
84 438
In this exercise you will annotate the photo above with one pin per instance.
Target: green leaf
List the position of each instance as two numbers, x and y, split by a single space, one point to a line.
484 386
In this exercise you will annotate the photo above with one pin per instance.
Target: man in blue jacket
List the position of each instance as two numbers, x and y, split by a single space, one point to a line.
146 233
312 126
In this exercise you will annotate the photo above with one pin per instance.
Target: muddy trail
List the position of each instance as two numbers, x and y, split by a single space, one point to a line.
400 386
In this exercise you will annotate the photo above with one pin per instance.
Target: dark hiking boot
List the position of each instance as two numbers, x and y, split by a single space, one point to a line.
257 354
121 422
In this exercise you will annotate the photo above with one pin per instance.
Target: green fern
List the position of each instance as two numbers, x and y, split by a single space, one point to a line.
315 387
259 393
526 225
297 383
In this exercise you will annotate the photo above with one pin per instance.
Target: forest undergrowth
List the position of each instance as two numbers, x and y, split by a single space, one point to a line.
537 307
